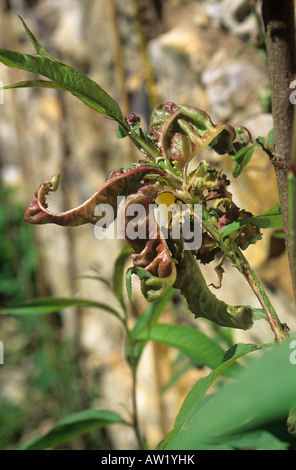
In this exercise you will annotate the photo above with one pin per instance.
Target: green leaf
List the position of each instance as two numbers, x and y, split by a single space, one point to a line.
95 278
152 312
37 83
153 287
202 386
118 273
261 440
128 283
262 394
192 342
74 425
280 235
189 365
121 132
270 138
270 219
158 285
37 46
63 77
150 316
258 313
54 304
241 160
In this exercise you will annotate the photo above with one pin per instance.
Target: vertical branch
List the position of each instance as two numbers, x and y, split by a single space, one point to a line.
279 23
236 256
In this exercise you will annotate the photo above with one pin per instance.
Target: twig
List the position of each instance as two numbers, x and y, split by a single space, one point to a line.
279 26
235 255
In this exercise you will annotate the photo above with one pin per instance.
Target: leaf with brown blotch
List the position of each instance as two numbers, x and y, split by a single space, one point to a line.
180 132
153 262
119 183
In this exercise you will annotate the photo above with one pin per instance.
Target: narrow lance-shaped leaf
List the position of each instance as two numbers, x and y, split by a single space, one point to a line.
256 398
96 278
192 342
63 77
202 386
38 47
118 273
53 304
150 316
74 425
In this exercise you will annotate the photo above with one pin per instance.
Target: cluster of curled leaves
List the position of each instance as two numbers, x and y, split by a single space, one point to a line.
177 134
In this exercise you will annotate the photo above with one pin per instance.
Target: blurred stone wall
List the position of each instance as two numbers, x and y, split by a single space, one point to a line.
197 53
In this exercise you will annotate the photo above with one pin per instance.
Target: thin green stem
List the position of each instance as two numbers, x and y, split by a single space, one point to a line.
142 145
235 255
132 362
140 440
241 263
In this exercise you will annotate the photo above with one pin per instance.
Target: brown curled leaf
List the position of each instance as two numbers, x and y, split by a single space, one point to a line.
219 271
151 252
229 216
119 183
180 132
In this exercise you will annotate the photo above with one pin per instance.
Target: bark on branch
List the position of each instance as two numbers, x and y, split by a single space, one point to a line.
279 24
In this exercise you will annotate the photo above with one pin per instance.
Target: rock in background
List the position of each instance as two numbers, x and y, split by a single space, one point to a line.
141 52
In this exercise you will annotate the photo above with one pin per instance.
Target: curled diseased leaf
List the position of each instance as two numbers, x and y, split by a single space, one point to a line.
202 301
177 133
119 183
219 271
180 132
153 262
210 186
